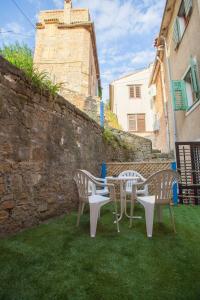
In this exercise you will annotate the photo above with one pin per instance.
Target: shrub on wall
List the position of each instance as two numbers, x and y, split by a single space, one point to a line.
21 56
111 119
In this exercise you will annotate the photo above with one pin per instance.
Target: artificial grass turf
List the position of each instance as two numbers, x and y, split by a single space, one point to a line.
59 261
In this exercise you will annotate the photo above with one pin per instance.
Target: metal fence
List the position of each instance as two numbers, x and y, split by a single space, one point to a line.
188 166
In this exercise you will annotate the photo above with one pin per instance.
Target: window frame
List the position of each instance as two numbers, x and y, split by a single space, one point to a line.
136 120
189 69
134 87
176 26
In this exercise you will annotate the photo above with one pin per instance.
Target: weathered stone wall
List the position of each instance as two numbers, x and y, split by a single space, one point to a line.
90 105
42 142
142 147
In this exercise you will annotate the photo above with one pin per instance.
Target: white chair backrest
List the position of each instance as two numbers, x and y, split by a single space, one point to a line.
91 185
84 184
132 173
163 182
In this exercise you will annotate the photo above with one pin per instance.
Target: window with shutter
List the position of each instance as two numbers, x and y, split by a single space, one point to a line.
141 122
179 95
132 123
132 91
136 123
176 33
196 69
135 91
195 77
182 21
192 83
188 7
138 91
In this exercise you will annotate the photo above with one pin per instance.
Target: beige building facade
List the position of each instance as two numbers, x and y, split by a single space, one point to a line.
176 73
130 100
66 49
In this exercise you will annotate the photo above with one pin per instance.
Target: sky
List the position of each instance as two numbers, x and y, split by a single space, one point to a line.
125 30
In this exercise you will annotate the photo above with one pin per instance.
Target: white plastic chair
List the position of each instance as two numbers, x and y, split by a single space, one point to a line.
103 191
162 182
83 180
129 184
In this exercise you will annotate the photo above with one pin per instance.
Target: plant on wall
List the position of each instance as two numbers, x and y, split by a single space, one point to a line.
110 118
21 56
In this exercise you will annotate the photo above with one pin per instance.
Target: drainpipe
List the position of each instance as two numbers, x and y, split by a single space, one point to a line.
199 5
165 103
170 86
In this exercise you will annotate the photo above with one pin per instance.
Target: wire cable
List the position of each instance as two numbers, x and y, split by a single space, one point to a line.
16 33
23 13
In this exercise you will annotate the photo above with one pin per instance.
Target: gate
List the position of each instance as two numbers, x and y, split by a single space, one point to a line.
188 166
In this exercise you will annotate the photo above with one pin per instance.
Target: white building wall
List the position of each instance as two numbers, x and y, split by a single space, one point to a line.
124 105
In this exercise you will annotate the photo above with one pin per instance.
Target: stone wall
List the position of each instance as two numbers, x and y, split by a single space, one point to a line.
141 147
43 140
90 105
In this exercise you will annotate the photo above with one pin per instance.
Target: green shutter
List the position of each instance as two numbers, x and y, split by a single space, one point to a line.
188 6
176 32
179 95
195 77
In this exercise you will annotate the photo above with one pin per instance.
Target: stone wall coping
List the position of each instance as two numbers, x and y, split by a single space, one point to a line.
140 162
130 134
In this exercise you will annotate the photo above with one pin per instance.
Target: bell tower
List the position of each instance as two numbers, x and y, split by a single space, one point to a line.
66 49
67 11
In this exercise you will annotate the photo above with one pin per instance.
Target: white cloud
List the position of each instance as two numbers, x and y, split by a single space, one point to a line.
14 31
125 32
116 19
143 57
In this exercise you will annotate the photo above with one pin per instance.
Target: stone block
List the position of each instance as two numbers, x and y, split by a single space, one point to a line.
2 189
38 154
3 215
23 154
9 204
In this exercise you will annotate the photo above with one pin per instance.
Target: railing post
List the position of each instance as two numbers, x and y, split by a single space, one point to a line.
103 170
102 114
175 186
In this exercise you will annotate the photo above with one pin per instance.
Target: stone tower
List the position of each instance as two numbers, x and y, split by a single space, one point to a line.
66 49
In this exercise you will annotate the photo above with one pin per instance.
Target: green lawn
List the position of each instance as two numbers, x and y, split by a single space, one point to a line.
59 261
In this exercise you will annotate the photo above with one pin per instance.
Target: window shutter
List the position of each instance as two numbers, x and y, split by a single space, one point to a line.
176 33
141 123
198 77
132 123
132 91
179 95
188 7
195 77
138 91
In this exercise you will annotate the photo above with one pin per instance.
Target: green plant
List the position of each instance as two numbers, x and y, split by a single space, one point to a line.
21 56
112 139
109 136
111 118
100 92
